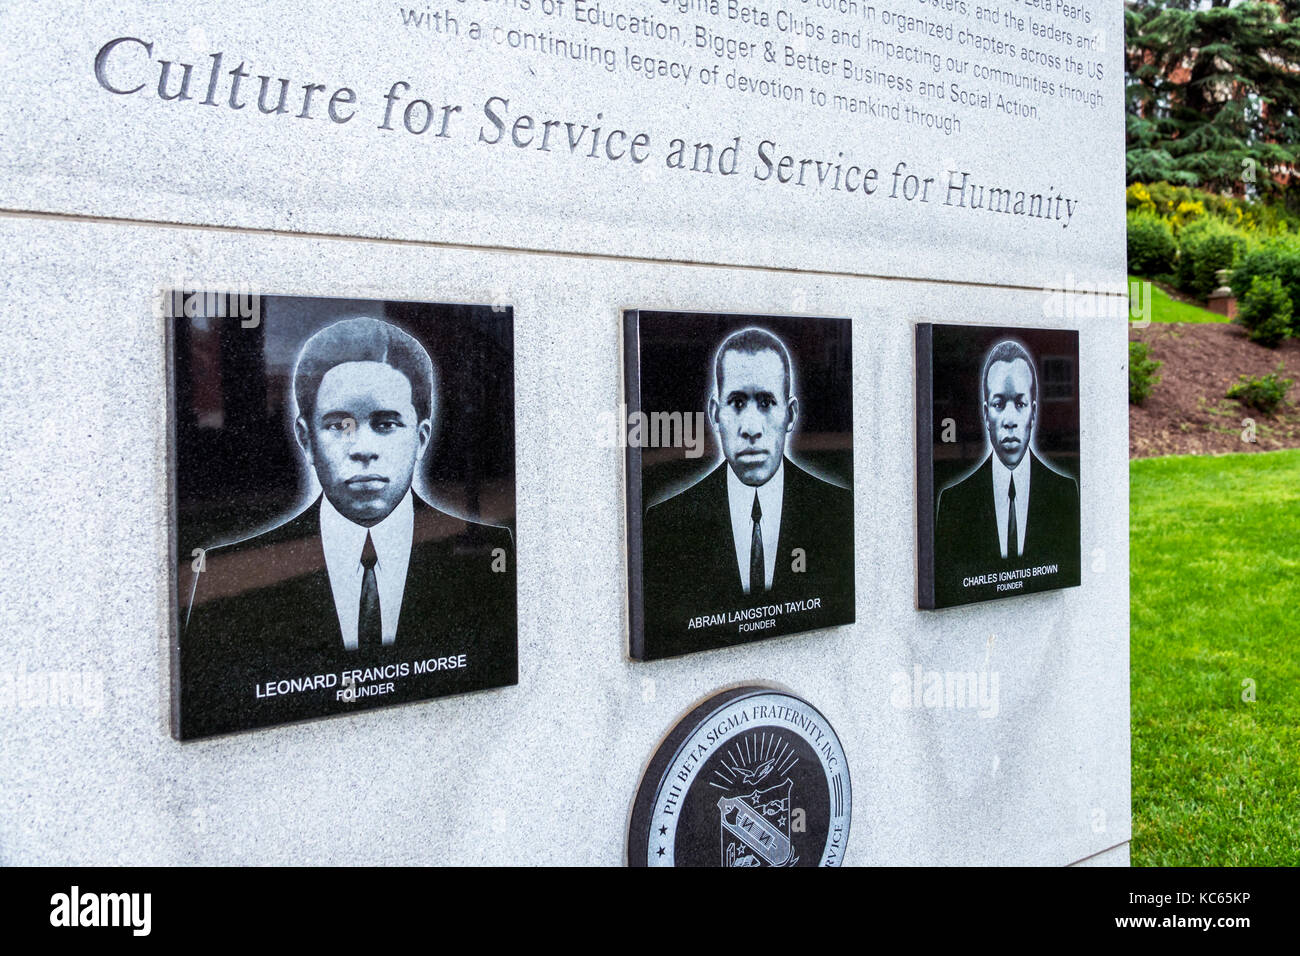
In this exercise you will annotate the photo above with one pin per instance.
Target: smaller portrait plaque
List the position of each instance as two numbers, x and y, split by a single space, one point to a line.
344 505
739 478
752 776
997 466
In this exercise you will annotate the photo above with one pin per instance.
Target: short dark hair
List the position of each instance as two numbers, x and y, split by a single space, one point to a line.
751 341
363 340
1008 350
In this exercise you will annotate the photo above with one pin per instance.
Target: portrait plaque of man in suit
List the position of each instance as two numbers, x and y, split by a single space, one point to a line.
755 539
368 593
1010 524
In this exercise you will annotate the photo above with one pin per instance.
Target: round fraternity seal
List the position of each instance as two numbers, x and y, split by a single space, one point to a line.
750 777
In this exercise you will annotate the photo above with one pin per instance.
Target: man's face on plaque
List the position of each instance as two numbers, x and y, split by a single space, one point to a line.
1009 407
753 414
364 439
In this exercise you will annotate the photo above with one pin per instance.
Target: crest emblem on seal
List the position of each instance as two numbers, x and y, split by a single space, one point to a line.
756 825
750 777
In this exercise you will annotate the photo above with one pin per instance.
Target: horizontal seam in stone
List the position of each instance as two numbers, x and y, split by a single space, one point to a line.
568 254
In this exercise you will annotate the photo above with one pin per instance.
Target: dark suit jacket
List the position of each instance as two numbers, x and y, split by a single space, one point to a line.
263 610
966 534
690 566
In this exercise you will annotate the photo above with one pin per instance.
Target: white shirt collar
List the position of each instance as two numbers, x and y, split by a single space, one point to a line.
740 499
1002 476
343 541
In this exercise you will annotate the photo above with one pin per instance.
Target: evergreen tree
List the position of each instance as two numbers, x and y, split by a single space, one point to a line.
1213 92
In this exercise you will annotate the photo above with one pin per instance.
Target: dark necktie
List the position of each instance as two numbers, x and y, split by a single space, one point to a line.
757 566
369 630
1013 537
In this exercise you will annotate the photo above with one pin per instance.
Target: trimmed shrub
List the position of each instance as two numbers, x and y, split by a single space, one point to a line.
1183 204
1275 259
1204 247
1178 204
1265 311
1151 246
1142 369
1261 392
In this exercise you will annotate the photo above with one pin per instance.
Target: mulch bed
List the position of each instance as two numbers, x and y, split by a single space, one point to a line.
1188 413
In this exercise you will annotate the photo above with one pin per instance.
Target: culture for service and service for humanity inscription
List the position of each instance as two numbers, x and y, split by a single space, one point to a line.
344 498
847 120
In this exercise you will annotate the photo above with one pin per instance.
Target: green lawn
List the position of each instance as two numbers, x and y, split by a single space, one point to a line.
1166 309
1215 545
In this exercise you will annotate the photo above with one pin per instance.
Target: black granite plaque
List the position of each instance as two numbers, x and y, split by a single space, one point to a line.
752 776
997 462
344 501
739 478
